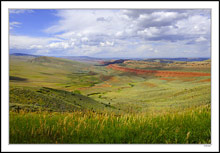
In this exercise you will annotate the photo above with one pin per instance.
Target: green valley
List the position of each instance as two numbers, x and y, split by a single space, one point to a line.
58 100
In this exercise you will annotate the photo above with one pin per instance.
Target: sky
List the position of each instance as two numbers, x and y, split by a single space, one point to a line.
132 33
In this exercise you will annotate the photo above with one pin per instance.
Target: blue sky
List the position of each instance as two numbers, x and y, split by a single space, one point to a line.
111 33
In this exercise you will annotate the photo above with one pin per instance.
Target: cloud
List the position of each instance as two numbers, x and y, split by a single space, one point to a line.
145 47
86 22
84 39
36 47
194 25
103 19
107 43
14 24
159 19
200 39
66 35
149 32
59 45
19 11
133 33
27 42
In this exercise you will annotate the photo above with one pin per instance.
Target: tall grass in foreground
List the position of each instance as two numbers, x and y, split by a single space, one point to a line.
192 126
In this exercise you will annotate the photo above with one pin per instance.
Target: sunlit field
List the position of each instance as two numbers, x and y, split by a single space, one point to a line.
187 127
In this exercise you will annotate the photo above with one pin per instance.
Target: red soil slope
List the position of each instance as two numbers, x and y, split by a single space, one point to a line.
206 80
159 73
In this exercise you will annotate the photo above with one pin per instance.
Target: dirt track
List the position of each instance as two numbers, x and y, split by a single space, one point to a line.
158 73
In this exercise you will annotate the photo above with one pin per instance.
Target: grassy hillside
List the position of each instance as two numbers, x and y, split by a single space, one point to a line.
124 91
49 83
52 72
48 99
190 66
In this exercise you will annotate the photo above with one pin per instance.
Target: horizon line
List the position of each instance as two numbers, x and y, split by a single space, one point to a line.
104 57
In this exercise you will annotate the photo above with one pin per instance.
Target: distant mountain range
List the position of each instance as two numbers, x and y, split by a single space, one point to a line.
181 59
87 58
22 54
80 58
105 63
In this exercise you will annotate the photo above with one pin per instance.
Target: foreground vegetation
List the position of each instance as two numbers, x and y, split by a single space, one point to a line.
189 126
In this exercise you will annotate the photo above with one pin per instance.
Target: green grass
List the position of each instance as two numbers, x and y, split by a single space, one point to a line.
153 94
189 126
48 99
53 72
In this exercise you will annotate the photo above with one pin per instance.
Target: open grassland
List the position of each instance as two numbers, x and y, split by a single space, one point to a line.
53 72
190 126
182 66
55 100
158 73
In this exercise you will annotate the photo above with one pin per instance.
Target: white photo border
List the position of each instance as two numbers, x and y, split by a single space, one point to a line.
109 5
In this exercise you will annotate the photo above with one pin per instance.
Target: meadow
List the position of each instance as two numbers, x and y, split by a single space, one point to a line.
187 127
56 100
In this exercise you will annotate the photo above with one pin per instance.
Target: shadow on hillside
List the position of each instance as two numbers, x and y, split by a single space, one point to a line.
14 78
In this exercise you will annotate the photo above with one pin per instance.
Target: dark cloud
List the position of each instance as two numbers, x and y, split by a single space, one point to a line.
171 25
172 38
190 42
101 19
135 13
